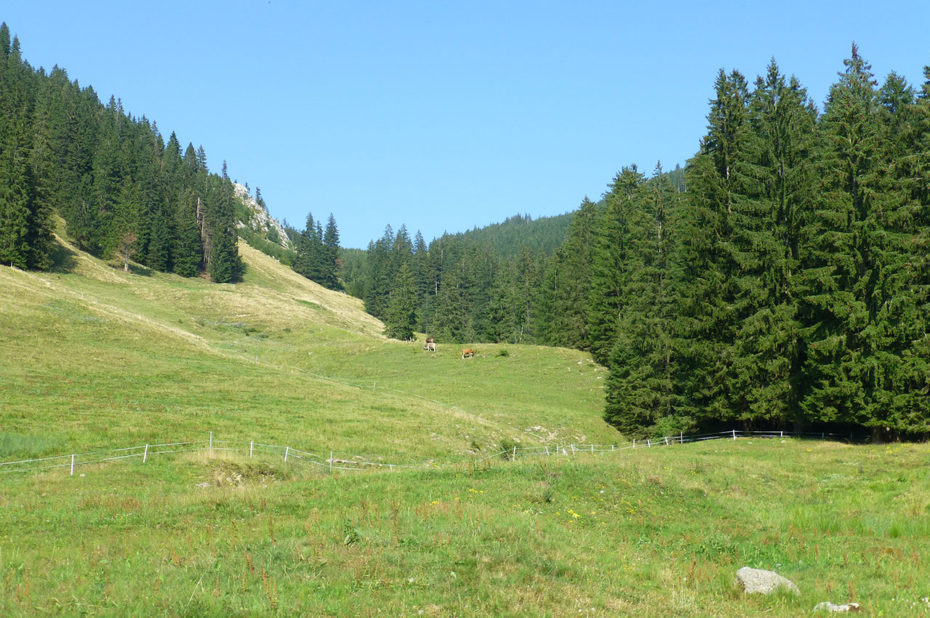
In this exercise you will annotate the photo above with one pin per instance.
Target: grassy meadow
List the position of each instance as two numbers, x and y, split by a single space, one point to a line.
96 358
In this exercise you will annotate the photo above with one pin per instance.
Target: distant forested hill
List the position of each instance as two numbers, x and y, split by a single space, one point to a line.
508 238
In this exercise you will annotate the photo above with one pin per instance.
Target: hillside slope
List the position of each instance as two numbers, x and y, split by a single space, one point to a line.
97 356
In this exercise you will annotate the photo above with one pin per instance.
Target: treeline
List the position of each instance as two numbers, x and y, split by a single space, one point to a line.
453 289
122 191
788 284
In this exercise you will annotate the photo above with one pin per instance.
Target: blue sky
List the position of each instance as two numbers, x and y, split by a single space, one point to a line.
446 115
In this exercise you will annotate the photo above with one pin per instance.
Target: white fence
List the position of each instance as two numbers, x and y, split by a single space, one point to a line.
332 463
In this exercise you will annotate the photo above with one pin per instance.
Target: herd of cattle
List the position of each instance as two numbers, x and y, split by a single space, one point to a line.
430 346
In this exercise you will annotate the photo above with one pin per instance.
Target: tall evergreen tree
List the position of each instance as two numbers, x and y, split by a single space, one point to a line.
330 254
861 256
764 386
641 385
400 314
381 273
609 263
562 317
716 180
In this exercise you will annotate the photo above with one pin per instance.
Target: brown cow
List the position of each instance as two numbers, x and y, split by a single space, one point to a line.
468 353
430 345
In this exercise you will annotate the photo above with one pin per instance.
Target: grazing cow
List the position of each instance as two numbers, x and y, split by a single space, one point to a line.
468 353
430 345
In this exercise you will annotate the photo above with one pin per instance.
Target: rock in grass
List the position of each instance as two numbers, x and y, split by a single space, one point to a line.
827 606
763 582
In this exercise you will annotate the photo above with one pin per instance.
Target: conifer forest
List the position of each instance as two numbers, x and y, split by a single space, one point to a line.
780 279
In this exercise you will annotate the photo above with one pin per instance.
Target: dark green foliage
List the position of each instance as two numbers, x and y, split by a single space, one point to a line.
223 262
401 312
507 239
640 387
562 309
609 265
867 300
111 177
706 288
798 289
317 252
765 382
25 225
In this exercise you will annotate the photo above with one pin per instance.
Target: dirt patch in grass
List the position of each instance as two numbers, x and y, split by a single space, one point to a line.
233 474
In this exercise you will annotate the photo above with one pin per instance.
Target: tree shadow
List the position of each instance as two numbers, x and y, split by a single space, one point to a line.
64 260
139 269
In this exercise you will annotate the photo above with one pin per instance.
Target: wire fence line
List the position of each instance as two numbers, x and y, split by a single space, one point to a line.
332 463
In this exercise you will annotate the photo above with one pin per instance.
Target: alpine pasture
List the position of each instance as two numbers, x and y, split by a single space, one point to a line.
95 358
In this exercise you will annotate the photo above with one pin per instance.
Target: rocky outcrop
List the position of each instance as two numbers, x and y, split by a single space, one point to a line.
260 221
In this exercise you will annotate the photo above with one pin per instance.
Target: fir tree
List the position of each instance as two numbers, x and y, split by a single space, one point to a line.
330 255
562 317
765 383
716 179
641 386
400 314
609 263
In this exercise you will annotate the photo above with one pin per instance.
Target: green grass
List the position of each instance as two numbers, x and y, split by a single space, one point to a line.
655 532
97 358
104 358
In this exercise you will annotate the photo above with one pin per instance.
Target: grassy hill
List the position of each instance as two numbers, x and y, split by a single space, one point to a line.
95 357
99 355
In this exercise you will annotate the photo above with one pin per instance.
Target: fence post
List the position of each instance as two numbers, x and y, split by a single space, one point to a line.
145 455
573 449
592 449
330 462
781 434
514 456
547 450
287 450
634 442
211 444
666 440
734 434
612 447
251 446
681 437
72 465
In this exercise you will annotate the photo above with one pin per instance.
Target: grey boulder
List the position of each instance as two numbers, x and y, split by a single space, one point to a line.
759 581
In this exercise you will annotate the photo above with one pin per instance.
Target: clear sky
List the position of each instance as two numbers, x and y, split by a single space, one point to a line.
446 115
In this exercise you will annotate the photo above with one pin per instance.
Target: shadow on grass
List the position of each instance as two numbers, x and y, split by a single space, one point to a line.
139 269
63 259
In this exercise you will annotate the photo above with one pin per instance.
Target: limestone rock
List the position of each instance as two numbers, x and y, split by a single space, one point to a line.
763 582
259 220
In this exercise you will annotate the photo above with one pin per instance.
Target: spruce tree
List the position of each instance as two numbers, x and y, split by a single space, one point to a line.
716 180
764 386
861 268
641 385
330 254
380 273
400 314
562 318
608 263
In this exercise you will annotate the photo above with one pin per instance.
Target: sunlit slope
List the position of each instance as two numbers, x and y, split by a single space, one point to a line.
100 357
